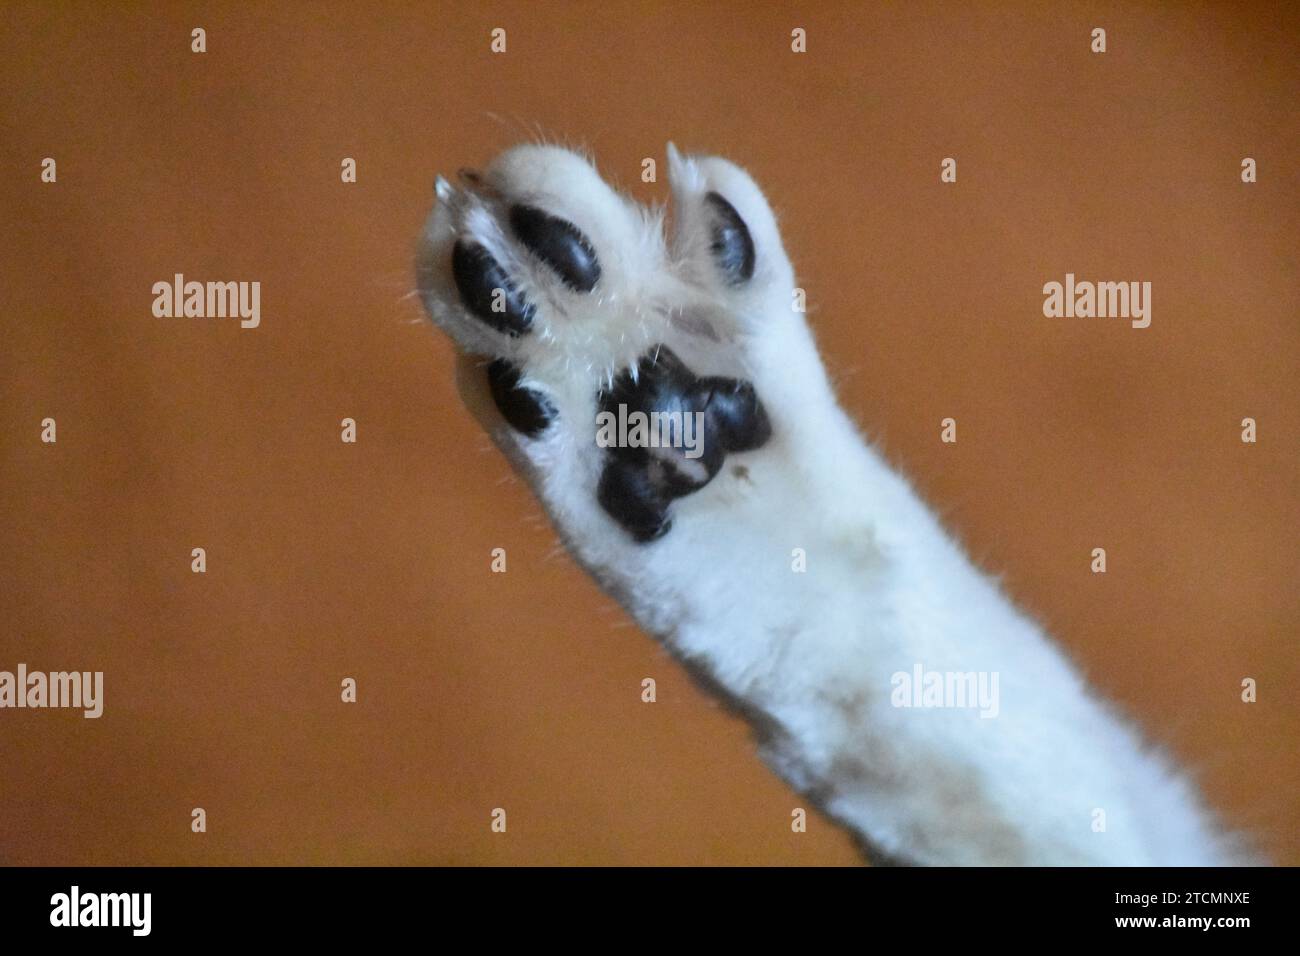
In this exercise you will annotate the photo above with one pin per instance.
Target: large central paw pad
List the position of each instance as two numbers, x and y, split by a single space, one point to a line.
674 432
604 340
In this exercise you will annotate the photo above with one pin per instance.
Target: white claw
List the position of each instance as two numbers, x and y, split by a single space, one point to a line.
683 174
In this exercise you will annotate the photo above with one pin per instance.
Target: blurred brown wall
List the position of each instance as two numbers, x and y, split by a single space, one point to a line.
521 690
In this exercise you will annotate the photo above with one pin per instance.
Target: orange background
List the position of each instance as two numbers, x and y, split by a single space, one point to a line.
521 690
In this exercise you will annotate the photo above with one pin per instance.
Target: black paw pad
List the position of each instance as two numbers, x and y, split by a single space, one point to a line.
631 497
558 243
526 409
732 245
735 411
668 433
487 291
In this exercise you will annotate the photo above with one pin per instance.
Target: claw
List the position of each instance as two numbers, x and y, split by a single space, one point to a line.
472 181
681 171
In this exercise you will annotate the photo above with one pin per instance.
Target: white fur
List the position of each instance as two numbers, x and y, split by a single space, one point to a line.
807 656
